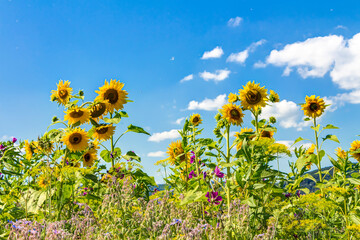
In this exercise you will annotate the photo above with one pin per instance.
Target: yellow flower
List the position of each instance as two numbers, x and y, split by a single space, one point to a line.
355 145
94 145
232 98
104 132
98 110
313 106
252 96
278 148
113 95
232 113
44 146
89 158
274 97
311 149
175 150
238 134
340 153
106 177
195 119
29 150
266 134
63 92
77 114
43 182
76 139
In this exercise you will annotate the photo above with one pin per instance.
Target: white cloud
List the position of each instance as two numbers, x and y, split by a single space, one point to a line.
342 98
218 76
234 22
187 78
208 104
260 64
287 113
217 52
179 120
241 57
156 154
341 27
172 58
158 137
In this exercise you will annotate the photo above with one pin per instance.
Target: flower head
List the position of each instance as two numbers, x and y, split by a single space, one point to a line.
313 106
14 139
192 174
76 139
192 158
232 98
218 173
340 153
104 131
232 113
2 147
63 93
274 97
113 95
355 146
176 152
77 114
213 197
195 119
89 158
252 96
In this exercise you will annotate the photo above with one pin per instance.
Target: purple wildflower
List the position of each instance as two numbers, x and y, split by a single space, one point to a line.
213 197
14 140
111 155
192 174
298 193
192 158
2 147
176 221
84 193
218 173
287 195
204 175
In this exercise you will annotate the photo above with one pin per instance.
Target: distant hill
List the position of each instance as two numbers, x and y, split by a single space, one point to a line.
307 183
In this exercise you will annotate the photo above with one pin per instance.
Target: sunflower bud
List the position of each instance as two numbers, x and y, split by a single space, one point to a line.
218 117
81 93
55 119
53 98
272 120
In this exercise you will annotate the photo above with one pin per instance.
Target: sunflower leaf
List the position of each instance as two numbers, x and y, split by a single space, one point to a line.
132 128
332 138
330 126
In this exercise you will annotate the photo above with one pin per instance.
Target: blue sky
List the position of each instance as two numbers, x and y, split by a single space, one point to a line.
295 48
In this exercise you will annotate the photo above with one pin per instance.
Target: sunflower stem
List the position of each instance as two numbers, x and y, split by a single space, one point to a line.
228 168
317 151
112 147
198 175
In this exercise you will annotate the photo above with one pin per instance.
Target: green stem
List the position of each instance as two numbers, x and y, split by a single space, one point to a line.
228 168
112 148
317 151
198 176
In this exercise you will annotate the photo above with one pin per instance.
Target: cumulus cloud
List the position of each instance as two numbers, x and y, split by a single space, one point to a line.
241 57
161 136
217 52
179 120
208 104
219 75
187 78
287 113
156 154
234 22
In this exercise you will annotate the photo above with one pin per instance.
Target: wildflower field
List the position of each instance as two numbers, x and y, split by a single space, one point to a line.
76 182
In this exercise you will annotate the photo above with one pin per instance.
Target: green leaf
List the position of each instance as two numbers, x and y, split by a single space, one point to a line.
334 163
123 114
105 154
316 128
332 138
91 177
131 156
113 120
298 140
354 181
132 128
94 123
307 119
329 126
210 154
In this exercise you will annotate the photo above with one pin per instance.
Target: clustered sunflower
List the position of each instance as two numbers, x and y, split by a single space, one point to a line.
77 114
76 139
175 152
313 106
89 158
113 95
98 110
252 96
232 113
104 131
195 119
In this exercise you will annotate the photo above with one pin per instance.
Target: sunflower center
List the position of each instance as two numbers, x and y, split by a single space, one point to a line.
97 110
76 114
63 93
111 95
75 138
253 97
314 106
87 157
266 134
195 119
235 114
102 130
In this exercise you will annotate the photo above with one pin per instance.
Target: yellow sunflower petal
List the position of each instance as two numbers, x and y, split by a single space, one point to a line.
195 119
76 139
232 113
252 96
113 95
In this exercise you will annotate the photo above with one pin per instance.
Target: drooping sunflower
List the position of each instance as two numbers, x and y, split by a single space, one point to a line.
274 97
29 150
104 132
232 113
63 92
252 96
355 145
76 139
77 114
89 158
340 153
98 110
242 131
266 134
176 152
195 119
44 145
313 106
113 95
232 98
43 181
311 149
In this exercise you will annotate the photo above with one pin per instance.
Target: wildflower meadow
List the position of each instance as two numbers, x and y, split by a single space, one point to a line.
76 181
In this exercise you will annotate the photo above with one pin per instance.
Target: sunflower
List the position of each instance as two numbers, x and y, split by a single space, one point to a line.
232 98
63 92
77 114
232 113
104 132
313 106
311 149
195 119
355 145
252 96
238 134
94 145
98 110
44 145
29 150
175 152
113 95
274 97
43 182
76 139
340 153
89 157
266 134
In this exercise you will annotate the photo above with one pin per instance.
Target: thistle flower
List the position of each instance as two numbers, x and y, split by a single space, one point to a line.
213 197
218 173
